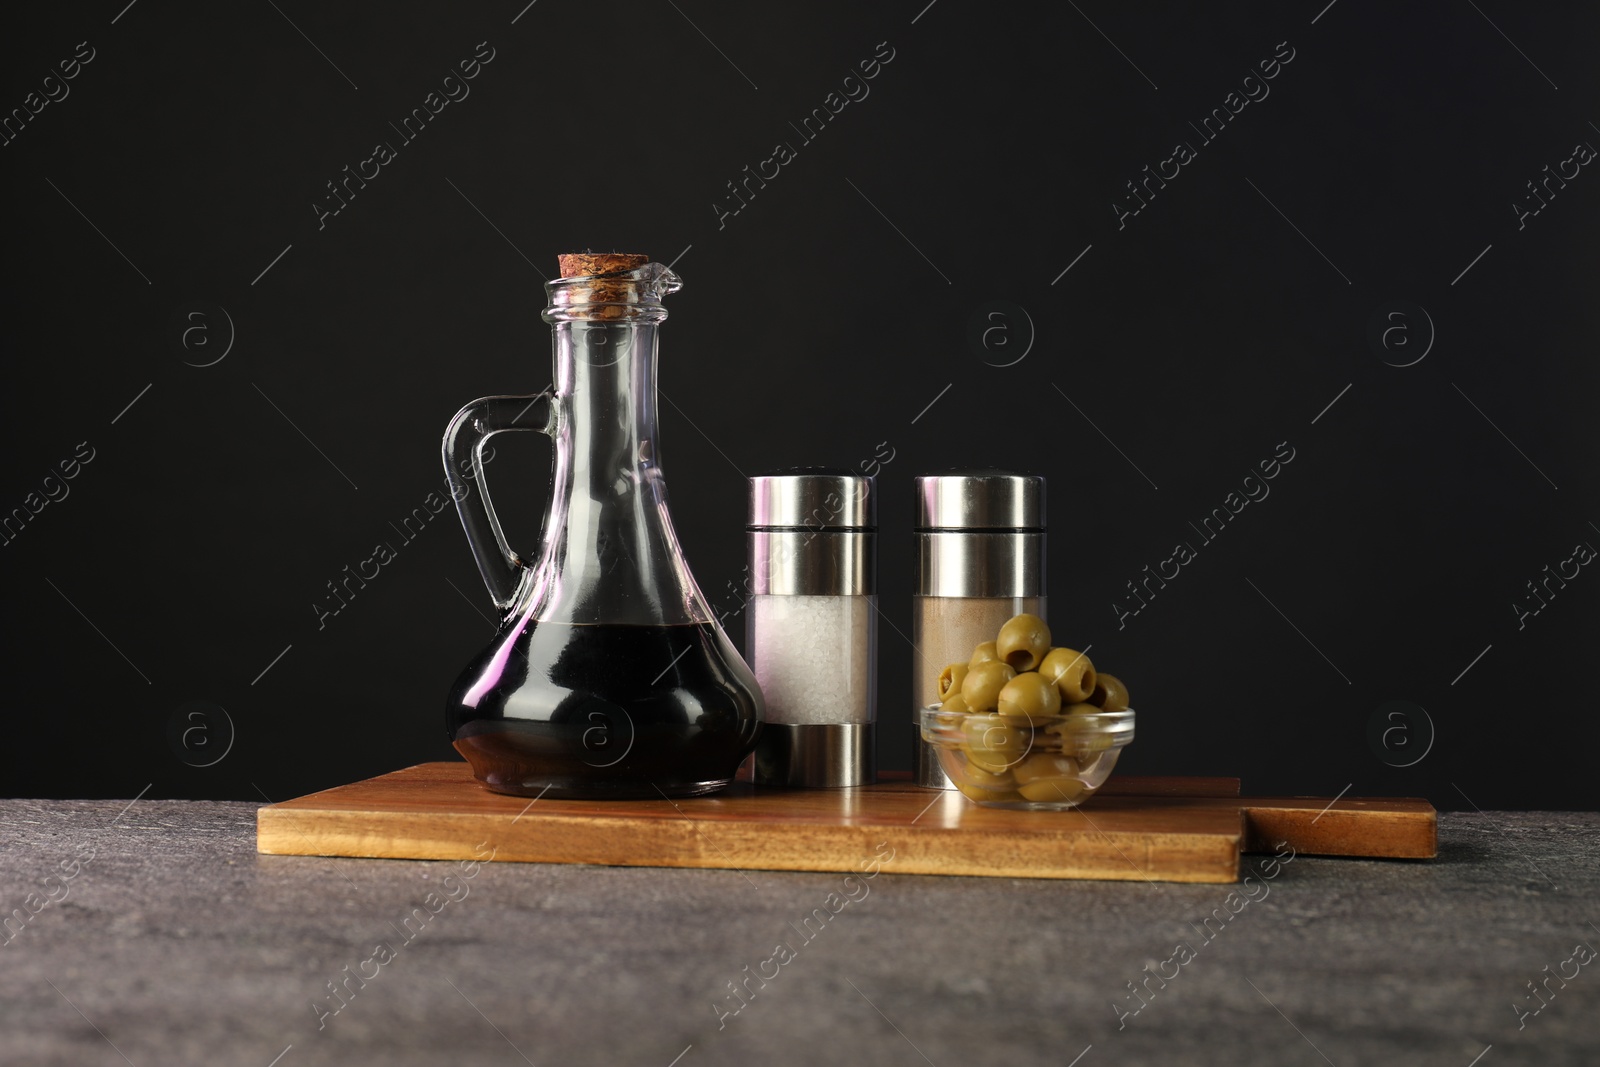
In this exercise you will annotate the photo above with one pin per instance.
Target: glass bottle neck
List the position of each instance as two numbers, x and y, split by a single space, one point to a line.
605 398
609 552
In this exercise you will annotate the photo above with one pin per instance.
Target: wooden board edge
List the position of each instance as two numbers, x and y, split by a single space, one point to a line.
1195 858
1407 830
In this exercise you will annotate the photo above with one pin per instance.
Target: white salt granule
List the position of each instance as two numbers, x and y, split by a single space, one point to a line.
814 656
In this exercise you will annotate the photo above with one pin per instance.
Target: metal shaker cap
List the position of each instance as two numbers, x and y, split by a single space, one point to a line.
812 533
980 500
816 498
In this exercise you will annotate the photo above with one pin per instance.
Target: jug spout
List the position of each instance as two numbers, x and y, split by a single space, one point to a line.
656 280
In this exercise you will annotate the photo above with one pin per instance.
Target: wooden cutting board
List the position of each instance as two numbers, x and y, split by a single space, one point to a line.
1156 829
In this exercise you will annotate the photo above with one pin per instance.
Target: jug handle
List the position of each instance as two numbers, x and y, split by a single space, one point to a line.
503 570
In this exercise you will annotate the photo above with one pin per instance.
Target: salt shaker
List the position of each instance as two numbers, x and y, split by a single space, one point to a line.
812 629
980 560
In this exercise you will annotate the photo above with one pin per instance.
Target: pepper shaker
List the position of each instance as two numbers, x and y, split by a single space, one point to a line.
812 629
980 560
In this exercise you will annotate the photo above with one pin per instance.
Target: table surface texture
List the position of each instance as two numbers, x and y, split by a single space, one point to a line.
155 934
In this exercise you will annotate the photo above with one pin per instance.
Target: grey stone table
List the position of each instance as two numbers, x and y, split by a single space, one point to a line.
157 935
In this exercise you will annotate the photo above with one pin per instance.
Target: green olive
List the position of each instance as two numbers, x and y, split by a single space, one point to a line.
976 776
1053 790
974 782
950 678
1023 642
1044 765
1109 693
1030 696
989 796
993 744
984 653
954 702
1079 737
983 683
1072 672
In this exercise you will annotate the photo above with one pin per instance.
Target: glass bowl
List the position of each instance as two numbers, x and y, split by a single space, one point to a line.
1029 763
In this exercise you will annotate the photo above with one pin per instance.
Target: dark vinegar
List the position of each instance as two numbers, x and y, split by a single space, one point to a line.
605 711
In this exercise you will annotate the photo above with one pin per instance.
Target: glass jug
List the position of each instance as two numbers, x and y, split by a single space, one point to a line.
609 676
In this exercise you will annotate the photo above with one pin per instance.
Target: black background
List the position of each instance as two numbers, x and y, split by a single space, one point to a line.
815 324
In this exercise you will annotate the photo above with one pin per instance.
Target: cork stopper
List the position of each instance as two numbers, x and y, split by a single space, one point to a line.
609 286
589 264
